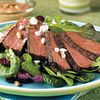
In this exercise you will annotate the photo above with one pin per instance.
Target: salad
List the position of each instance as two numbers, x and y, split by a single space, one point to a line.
22 67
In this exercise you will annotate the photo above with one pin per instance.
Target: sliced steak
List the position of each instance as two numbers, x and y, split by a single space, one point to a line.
74 41
16 36
36 48
76 59
54 56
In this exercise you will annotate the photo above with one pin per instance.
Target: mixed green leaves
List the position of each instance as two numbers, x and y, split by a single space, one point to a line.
29 66
69 81
14 64
69 77
54 81
58 25
96 64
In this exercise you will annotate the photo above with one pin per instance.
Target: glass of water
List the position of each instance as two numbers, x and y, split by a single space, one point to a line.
74 6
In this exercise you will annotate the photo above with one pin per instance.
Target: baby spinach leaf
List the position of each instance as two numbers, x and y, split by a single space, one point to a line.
57 82
69 75
68 80
50 72
56 29
85 77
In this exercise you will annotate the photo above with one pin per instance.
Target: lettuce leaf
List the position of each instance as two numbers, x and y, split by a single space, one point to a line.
29 66
14 64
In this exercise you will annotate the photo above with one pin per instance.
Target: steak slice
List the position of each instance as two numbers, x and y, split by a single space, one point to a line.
54 56
74 41
36 48
76 59
16 37
84 43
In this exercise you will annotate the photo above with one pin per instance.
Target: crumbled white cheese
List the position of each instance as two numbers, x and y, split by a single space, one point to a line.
43 28
33 21
43 40
63 50
21 27
19 35
54 22
56 49
36 61
63 55
38 33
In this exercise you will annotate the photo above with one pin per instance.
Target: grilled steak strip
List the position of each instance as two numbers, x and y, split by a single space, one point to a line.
73 44
74 56
52 55
36 48
12 40
89 45
59 43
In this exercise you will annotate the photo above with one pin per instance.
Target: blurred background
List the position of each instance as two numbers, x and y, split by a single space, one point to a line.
51 8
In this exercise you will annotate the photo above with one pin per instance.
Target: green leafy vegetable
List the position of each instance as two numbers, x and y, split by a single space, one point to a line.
89 32
68 80
69 75
14 64
96 63
84 77
56 29
29 66
57 82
